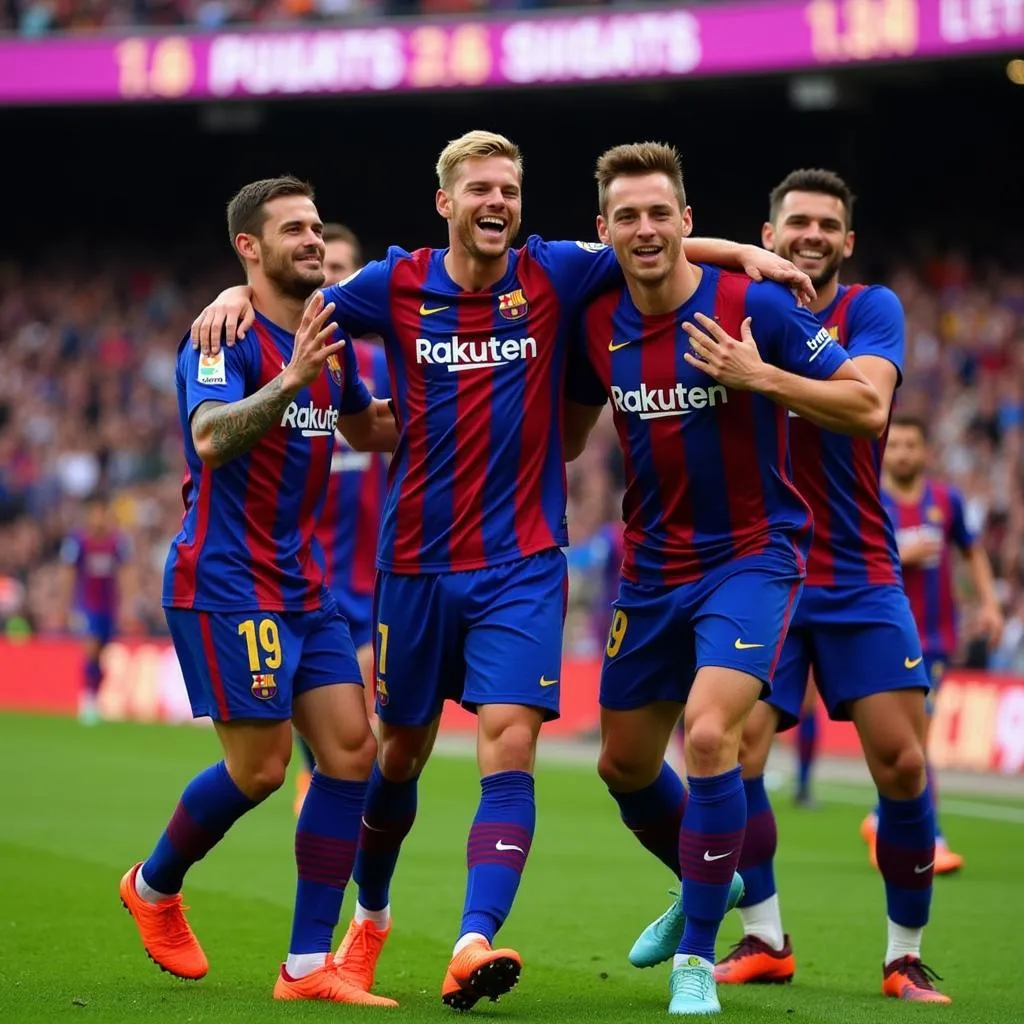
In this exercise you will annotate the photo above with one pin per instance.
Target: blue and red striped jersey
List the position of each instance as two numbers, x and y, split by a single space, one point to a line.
97 560
477 378
348 525
707 467
246 539
937 515
840 475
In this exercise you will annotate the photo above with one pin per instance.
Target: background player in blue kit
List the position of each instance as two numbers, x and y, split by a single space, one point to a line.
348 525
471 590
259 638
716 534
928 516
853 624
97 564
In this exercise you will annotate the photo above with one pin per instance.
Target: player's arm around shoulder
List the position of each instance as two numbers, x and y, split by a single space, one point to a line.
793 362
227 425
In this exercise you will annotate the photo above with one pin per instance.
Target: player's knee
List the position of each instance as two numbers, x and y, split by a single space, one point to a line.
899 768
623 774
709 742
401 758
260 779
512 749
352 760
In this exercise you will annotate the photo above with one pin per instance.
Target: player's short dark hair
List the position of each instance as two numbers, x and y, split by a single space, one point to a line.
906 419
247 211
335 232
636 158
812 179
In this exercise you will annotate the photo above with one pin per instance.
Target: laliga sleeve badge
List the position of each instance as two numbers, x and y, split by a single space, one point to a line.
212 370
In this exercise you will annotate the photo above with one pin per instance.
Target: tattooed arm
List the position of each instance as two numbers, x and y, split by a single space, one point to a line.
221 431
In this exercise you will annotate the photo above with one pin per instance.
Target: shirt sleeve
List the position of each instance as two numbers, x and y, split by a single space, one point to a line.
362 303
219 378
355 396
961 534
877 327
789 335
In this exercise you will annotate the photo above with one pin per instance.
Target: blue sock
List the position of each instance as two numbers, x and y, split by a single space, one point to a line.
209 806
906 857
92 675
934 792
307 753
709 852
325 850
499 842
807 750
388 814
760 841
654 815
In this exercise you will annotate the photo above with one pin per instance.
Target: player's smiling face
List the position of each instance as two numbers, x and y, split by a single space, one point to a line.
483 207
291 247
645 224
810 230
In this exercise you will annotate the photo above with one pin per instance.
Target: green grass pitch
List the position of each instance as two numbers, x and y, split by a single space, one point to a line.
80 805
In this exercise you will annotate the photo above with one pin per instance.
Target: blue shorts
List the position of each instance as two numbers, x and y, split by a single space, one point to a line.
358 611
735 617
253 664
101 626
859 640
481 636
935 666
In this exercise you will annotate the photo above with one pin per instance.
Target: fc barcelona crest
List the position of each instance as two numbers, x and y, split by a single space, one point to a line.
513 305
334 365
264 686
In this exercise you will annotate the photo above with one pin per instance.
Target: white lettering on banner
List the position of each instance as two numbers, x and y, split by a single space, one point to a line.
626 46
960 21
655 403
306 62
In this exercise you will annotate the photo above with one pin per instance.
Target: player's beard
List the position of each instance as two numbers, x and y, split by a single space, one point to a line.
467 232
907 478
822 275
291 278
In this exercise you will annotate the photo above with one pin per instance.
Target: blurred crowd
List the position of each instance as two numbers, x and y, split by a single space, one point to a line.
87 405
39 17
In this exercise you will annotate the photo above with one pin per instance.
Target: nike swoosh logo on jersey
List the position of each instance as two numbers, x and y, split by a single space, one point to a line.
499 845
612 347
425 311
366 824
741 646
907 663
548 682
717 856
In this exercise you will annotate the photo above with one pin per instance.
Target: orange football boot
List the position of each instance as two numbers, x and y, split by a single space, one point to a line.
325 983
908 978
302 781
479 972
869 833
166 936
357 956
946 861
753 962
